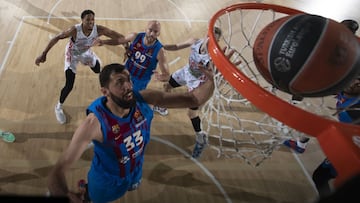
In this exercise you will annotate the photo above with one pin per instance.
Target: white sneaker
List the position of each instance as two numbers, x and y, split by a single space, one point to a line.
60 116
202 137
161 111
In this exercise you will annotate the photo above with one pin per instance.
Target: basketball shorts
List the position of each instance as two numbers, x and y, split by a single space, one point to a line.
184 77
72 59
105 188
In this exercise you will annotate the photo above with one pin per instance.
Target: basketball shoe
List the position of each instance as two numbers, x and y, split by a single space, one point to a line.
59 113
298 146
161 111
200 144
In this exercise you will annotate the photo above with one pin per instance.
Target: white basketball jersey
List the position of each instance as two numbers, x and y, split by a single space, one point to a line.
83 43
195 58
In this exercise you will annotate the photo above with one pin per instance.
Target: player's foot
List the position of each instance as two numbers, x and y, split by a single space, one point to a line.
293 144
200 144
7 136
60 116
83 190
161 111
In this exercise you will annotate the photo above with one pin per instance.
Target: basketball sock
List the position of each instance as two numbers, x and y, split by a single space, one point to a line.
59 105
196 123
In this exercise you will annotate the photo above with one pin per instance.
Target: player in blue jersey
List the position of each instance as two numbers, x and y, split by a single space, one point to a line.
118 123
144 53
347 105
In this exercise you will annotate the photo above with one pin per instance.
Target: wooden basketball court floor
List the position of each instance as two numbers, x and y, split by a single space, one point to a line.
29 93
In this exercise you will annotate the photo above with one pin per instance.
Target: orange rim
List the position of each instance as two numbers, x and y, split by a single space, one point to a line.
333 136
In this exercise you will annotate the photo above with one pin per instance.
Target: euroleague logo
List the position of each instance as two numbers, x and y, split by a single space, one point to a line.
288 47
282 64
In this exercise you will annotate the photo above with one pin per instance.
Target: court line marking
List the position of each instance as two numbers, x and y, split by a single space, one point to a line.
52 10
174 61
11 46
182 12
173 3
308 176
199 164
129 19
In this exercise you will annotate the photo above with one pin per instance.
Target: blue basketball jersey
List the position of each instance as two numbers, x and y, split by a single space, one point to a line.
142 61
119 158
344 102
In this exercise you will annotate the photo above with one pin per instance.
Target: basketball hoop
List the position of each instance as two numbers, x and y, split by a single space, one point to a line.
249 117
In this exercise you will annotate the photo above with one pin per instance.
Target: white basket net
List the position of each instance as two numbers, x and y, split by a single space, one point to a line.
236 128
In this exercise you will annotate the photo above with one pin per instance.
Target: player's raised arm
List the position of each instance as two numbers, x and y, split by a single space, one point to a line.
71 32
117 40
181 45
84 134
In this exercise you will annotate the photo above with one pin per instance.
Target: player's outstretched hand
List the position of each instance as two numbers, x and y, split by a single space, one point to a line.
40 59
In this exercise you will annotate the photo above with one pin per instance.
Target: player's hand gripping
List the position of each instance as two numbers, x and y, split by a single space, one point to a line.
161 77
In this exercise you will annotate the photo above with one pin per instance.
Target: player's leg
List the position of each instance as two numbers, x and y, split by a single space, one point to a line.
70 64
201 137
298 145
89 58
65 91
